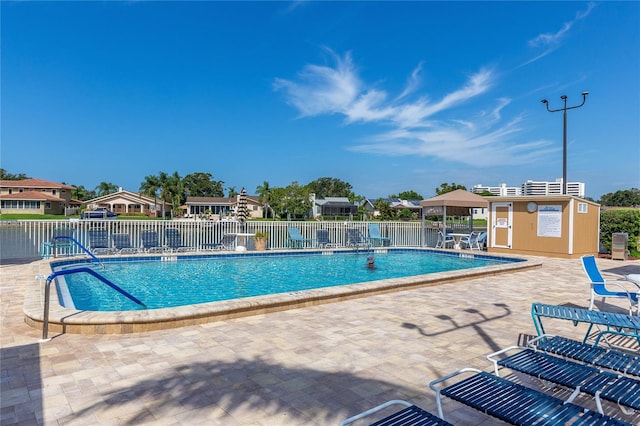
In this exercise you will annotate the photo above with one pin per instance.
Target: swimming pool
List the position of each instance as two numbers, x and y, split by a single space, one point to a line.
188 281
70 320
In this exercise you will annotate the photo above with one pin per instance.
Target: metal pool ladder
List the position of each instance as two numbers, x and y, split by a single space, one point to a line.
47 295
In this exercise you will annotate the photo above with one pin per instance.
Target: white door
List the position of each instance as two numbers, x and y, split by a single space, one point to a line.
501 225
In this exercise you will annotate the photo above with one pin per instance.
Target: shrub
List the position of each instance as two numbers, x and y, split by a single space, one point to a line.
627 220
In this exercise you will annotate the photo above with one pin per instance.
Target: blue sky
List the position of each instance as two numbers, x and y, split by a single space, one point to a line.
387 96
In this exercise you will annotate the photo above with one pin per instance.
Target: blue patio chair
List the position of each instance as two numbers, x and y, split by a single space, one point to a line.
375 236
122 243
356 239
99 242
514 403
173 240
444 241
322 237
150 241
410 415
599 285
296 240
57 245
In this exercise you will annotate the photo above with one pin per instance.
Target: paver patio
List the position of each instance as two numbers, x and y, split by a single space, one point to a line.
311 366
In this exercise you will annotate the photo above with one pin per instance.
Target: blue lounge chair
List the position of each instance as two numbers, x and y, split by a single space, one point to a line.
99 242
150 241
513 402
296 240
578 377
322 237
356 239
622 362
599 286
608 323
173 240
122 243
410 415
375 236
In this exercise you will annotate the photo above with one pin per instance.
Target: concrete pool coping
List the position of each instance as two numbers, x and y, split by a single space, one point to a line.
65 320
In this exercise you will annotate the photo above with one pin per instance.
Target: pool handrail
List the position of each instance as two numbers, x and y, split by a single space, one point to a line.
47 296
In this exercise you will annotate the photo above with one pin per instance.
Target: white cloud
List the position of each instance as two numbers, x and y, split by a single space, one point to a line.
414 127
549 42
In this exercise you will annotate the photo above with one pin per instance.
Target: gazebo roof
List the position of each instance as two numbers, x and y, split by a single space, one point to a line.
457 198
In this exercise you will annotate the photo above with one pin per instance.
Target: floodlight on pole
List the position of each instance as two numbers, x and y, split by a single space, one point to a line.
564 133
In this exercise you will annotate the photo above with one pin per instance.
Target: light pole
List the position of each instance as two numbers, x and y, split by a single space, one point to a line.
564 134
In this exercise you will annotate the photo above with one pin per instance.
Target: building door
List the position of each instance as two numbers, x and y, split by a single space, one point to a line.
501 225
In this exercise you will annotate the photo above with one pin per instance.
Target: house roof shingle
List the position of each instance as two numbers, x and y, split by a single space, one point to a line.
33 183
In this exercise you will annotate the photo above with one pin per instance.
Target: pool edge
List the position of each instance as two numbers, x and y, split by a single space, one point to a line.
64 320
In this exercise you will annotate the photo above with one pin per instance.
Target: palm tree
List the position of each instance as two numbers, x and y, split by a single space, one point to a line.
150 187
105 188
264 196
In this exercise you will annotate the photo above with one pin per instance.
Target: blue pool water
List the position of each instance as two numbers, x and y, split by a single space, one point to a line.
161 284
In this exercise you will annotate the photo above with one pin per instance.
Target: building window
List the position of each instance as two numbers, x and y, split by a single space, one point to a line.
10 191
582 207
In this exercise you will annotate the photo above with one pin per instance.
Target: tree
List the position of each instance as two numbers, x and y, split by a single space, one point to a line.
232 192
201 184
291 202
264 196
81 193
150 187
329 187
622 198
175 192
409 195
384 208
446 187
105 188
4 175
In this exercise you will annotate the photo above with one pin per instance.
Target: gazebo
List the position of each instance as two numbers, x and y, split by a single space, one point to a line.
458 202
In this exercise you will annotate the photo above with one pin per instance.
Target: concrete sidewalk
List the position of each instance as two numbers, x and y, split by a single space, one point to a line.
311 366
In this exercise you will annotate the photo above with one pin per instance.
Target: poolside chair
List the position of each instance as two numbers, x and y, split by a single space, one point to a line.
56 245
99 242
375 236
322 237
228 242
174 240
444 241
575 376
482 240
472 241
122 243
296 240
356 239
150 242
410 415
513 402
599 286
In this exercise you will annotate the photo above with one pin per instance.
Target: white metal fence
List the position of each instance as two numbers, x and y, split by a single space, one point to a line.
24 239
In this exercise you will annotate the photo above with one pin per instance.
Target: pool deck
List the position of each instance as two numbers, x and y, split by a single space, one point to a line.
311 366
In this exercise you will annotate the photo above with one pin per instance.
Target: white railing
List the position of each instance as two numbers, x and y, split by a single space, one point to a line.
25 239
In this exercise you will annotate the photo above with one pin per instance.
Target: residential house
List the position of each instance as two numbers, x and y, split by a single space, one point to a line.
220 207
35 196
333 206
126 202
